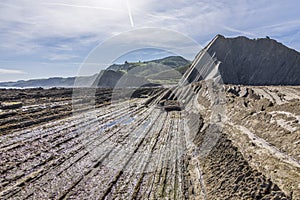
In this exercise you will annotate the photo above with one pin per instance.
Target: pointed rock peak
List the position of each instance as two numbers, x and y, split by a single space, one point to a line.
219 36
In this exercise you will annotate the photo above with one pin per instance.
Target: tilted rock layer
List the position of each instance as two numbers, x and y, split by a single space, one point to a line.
134 149
255 61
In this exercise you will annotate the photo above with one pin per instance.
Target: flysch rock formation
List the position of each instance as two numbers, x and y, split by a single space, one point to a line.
262 61
136 149
198 140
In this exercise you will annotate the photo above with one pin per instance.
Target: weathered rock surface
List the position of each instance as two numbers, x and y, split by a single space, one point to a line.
133 149
261 61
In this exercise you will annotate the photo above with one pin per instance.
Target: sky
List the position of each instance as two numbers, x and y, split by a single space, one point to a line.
52 38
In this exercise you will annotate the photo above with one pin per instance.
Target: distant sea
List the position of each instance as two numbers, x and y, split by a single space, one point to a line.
23 88
12 88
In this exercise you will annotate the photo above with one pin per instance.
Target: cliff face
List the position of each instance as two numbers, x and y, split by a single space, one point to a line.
255 61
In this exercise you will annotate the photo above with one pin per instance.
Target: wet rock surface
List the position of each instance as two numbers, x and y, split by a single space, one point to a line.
134 149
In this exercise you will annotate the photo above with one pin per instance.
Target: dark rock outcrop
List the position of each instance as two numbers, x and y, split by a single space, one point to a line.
112 79
255 61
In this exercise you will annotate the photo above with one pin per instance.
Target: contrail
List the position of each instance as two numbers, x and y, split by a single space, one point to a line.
83 6
129 13
97 7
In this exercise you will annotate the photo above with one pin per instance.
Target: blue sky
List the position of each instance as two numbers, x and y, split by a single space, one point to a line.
45 38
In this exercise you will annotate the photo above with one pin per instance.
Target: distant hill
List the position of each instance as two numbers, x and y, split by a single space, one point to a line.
111 79
161 71
171 61
167 70
50 82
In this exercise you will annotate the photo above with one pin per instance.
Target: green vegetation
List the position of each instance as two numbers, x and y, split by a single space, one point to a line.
167 70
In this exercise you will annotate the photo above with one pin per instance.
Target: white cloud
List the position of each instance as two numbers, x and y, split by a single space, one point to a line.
60 57
55 30
244 32
11 71
23 23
